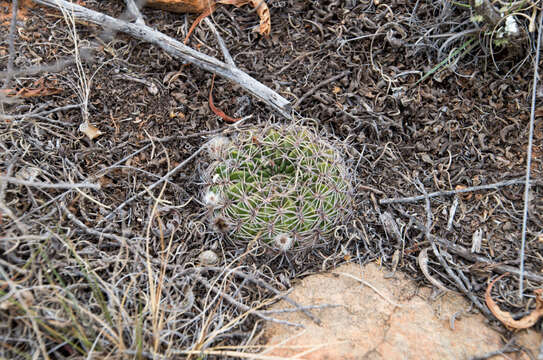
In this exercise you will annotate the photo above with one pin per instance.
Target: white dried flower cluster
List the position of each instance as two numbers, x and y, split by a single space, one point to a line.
217 146
212 199
283 242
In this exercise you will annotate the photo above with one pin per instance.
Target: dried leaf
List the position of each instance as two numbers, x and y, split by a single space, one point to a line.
41 90
216 110
22 11
506 318
264 14
181 6
90 130
203 6
466 195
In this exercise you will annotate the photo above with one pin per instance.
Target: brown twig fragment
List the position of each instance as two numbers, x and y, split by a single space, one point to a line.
216 110
506 318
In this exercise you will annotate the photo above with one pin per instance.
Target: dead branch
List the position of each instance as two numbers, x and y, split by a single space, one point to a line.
497 185
133 10
45 185
178 50
241 306
468 255
458 282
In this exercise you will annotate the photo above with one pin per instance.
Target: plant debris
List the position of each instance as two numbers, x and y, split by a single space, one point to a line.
100 249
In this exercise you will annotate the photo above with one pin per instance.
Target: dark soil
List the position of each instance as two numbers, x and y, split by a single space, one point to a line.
465 125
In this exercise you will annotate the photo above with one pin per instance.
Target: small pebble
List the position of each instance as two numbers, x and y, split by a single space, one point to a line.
208 257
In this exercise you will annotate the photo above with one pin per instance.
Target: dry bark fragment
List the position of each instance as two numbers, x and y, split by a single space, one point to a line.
506 318
182 6
201 6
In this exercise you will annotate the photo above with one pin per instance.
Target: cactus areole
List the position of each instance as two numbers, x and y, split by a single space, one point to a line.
283 185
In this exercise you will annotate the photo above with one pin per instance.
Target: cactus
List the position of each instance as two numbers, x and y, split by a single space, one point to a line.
283 185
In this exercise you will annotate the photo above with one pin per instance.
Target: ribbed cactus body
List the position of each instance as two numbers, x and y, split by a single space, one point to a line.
283 184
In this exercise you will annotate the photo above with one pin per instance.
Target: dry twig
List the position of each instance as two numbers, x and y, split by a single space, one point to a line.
151 187
529 158
442 261
468 255
178 50
497 185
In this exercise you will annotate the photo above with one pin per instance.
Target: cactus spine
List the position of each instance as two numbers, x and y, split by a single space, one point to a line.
284 184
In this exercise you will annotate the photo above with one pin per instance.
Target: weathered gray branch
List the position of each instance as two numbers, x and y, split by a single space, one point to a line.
178 50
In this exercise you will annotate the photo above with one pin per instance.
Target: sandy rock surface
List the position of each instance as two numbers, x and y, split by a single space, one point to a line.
366 326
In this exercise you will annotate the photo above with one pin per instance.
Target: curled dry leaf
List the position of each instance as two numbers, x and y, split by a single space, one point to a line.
261 9
203 6
506 318
90 130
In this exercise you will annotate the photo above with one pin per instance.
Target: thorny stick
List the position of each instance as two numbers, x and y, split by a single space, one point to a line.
178 50
454 192
449 271
529 160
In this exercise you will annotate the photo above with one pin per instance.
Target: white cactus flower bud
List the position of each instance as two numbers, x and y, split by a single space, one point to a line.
212 199
283 242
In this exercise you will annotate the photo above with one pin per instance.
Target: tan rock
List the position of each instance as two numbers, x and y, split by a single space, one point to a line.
366 326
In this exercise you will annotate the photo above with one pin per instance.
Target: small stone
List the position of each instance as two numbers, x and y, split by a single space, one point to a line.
208 257
366 325
152 89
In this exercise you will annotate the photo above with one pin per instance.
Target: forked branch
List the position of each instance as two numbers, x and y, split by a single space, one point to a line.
178 50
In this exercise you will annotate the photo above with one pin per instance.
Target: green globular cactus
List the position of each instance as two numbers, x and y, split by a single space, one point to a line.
283 185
